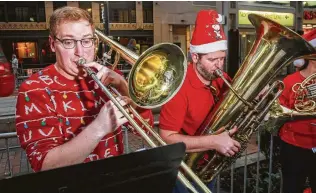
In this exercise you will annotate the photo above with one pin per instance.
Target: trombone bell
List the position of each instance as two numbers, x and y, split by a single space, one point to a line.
157 75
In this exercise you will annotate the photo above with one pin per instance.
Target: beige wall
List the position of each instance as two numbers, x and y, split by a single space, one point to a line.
48 11
168 14
73 3
139 14
95 12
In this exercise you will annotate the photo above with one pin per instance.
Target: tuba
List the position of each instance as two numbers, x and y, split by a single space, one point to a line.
274 48
304 106
155 77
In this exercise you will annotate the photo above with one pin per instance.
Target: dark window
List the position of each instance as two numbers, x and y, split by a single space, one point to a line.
26 11
132 16
148 12
21 13
59 4
41 12
120 16
86 6
148 16
2 16
122 12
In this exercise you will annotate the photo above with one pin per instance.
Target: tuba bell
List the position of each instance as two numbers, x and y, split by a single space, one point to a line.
275 47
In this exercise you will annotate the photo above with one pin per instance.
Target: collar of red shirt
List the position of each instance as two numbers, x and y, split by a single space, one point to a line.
193 78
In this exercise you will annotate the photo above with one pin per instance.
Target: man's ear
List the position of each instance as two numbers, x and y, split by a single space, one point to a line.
51 43
195 57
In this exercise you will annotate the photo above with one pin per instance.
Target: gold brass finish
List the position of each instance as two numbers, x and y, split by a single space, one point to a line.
275 47
155 77
305 94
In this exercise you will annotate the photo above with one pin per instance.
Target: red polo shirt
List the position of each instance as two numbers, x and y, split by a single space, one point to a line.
301 133
186 111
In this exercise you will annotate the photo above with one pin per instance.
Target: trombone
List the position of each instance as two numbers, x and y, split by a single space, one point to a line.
156 76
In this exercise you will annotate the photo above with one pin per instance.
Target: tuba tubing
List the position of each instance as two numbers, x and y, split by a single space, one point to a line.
275 47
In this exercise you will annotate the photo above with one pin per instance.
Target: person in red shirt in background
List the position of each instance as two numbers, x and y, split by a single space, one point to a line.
298 138
181 117
62 116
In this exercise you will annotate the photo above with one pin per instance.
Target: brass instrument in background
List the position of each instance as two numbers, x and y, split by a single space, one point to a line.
305 94
275 47
304 106
155 77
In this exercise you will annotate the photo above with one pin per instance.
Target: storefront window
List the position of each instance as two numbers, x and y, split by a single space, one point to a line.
309 4
309 22
26 52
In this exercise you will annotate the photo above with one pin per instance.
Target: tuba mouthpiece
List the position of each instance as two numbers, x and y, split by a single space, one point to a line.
81 61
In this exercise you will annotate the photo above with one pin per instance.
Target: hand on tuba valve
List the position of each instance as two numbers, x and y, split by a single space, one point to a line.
225 144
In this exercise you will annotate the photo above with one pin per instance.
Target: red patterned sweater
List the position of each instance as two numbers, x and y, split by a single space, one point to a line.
51 110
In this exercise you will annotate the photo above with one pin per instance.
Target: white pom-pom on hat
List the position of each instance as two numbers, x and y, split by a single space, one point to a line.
299 63
311 38
220 18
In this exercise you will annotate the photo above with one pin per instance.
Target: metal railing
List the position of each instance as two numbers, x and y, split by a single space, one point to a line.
135 143
132 144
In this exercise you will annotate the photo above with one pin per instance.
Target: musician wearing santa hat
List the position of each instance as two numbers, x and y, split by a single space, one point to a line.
181 117
298 138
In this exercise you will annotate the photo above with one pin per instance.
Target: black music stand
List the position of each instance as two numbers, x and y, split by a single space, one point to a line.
147 171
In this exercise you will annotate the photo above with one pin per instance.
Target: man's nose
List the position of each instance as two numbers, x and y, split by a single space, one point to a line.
78 49
219 63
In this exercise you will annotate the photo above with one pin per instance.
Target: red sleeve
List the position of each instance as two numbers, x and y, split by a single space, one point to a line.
172 114
285 97
37 125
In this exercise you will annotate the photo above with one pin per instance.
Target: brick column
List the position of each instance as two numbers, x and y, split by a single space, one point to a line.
73 3
95 12
48 11
139 15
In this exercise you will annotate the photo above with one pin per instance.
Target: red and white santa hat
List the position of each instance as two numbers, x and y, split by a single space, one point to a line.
208 35
311 38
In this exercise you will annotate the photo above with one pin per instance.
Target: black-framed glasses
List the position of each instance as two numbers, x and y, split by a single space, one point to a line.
71 43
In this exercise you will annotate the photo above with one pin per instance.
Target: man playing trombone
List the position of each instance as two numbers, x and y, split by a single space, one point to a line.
181 117
62 116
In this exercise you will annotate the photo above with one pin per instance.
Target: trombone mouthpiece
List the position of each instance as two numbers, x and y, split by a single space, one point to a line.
81 61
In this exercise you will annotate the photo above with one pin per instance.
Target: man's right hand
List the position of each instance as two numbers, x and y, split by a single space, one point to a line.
224 144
